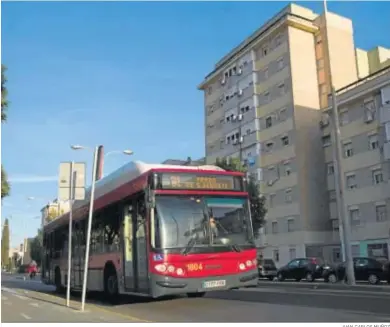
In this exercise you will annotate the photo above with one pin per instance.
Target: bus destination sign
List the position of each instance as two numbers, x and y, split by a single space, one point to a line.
178 181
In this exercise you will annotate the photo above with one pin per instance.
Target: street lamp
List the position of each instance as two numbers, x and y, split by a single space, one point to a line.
126 152
91 203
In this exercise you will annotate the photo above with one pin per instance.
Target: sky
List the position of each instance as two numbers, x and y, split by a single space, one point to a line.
121 74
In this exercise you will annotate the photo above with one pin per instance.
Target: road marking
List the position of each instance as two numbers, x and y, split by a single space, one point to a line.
21 297
97 307
34 304
4 298
25 316
7 303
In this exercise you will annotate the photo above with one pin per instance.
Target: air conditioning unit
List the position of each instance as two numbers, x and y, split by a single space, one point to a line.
223 82
240 116
240 92
234 117
240 70
369 117
241 139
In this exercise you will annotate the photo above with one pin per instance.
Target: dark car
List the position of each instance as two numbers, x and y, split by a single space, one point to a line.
366 269
266 268
301 268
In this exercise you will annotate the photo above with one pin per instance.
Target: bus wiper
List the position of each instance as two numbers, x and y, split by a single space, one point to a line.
189 246
235 247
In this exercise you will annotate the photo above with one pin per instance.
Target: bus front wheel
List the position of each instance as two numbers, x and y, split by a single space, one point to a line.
195 295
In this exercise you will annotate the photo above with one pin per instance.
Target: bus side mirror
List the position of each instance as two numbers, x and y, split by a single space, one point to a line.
150 198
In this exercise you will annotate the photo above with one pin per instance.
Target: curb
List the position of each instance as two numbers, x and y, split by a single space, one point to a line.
338 286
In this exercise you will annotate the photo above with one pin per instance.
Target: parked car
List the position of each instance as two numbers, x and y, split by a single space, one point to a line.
301 268
366 269
266 268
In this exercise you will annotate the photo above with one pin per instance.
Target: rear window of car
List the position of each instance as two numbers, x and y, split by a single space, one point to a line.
270 263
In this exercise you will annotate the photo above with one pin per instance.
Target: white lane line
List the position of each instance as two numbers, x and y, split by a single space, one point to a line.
34 304
25 316
21 297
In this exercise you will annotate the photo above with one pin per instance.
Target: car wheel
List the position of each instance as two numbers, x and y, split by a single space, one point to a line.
332 278
309 277
280 277
373 279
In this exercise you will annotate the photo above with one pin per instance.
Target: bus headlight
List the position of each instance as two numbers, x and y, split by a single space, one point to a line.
248 263
171 269
242 266
160 268
180 271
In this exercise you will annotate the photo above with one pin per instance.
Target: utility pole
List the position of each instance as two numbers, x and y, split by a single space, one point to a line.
344 223
340 182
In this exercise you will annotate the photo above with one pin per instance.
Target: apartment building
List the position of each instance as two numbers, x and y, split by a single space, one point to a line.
54 209
364 114
263 104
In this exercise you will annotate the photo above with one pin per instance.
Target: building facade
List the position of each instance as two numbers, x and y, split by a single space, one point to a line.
263 104
364 115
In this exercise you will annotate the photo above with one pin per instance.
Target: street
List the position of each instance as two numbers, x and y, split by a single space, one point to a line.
266 303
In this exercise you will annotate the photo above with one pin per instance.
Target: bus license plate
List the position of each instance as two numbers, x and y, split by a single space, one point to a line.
214 283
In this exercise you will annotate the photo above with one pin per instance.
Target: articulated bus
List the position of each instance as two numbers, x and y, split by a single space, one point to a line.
157 230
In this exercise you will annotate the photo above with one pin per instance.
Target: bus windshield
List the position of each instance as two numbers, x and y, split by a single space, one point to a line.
204 221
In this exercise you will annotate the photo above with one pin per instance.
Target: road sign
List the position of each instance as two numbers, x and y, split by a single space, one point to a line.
65 181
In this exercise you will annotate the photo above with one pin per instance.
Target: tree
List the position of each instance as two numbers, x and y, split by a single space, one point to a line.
257 201
36 248
5 187
54 213
5 245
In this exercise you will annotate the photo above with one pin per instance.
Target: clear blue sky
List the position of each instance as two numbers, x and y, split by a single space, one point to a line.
122 74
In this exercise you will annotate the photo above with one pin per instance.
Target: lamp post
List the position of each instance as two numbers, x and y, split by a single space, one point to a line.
91 204
126 152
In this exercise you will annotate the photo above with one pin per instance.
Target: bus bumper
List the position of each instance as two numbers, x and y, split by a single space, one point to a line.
165 285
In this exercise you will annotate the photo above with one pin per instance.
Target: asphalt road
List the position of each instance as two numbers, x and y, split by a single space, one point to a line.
263 304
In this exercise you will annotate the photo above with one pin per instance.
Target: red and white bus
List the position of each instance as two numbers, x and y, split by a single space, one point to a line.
158 230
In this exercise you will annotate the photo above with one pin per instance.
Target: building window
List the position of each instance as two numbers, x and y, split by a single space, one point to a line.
377 176
351 182
266 72
373 142
354 216
336 254
268 122
293 253
269 146
288 195
326 140
344 118
332 195
378 251
265 50
287 168
280 63
285 140
290 225
278 40
266 97
348 151
330 168
282 88
335 224
274 227
283 114
271 200
276 255
381 213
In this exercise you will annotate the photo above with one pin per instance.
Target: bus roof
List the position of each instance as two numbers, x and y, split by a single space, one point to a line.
128 173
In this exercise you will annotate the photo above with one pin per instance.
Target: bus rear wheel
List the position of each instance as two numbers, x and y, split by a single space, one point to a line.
57 280
195 295
111 284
